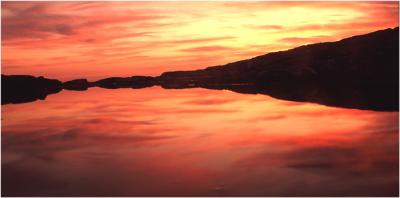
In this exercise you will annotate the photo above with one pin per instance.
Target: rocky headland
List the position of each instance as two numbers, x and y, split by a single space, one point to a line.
358 72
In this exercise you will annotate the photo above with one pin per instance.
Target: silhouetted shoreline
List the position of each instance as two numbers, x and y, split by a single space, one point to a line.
359 72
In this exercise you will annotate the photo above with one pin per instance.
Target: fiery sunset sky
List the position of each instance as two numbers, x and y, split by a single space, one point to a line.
68 40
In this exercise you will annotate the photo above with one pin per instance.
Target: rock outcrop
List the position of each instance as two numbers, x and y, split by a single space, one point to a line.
367 59
135 82
77 85
24 88
357 72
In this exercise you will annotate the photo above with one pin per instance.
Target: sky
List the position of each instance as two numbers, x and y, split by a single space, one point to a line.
93 40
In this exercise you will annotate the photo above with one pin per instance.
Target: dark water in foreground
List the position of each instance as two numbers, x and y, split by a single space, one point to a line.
194 142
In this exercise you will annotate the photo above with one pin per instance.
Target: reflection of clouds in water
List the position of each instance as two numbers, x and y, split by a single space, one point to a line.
45 143
362 164
130 142
206 101
33 180
267 118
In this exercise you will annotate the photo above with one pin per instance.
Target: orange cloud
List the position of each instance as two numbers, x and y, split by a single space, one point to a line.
68 40
207 49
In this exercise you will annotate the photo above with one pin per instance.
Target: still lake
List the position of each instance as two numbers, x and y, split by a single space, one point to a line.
194 142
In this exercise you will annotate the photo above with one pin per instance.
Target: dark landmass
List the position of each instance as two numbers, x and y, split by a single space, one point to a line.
358 72
129 82
135 82
367 59
78 85
24 88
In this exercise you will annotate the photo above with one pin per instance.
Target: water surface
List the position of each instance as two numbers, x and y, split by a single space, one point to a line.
194 142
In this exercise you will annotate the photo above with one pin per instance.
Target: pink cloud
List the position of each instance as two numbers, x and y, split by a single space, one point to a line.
208 49
116 38
305 40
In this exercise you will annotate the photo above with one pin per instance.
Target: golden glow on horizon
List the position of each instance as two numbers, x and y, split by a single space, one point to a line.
69 40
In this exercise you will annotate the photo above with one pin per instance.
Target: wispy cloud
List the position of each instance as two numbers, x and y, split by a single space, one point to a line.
83 39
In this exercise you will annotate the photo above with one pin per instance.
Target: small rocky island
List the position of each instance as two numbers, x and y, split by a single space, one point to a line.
358 72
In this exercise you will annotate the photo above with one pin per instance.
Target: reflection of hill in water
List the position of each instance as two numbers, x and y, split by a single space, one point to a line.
344 96
358 72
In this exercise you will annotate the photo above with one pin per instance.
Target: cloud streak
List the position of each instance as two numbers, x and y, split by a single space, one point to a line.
87 39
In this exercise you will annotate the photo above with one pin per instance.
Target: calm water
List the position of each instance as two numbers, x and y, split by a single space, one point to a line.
194 142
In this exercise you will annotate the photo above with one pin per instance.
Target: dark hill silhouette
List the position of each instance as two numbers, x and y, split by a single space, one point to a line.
367 59
357 72
24 88
78 85
129 82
